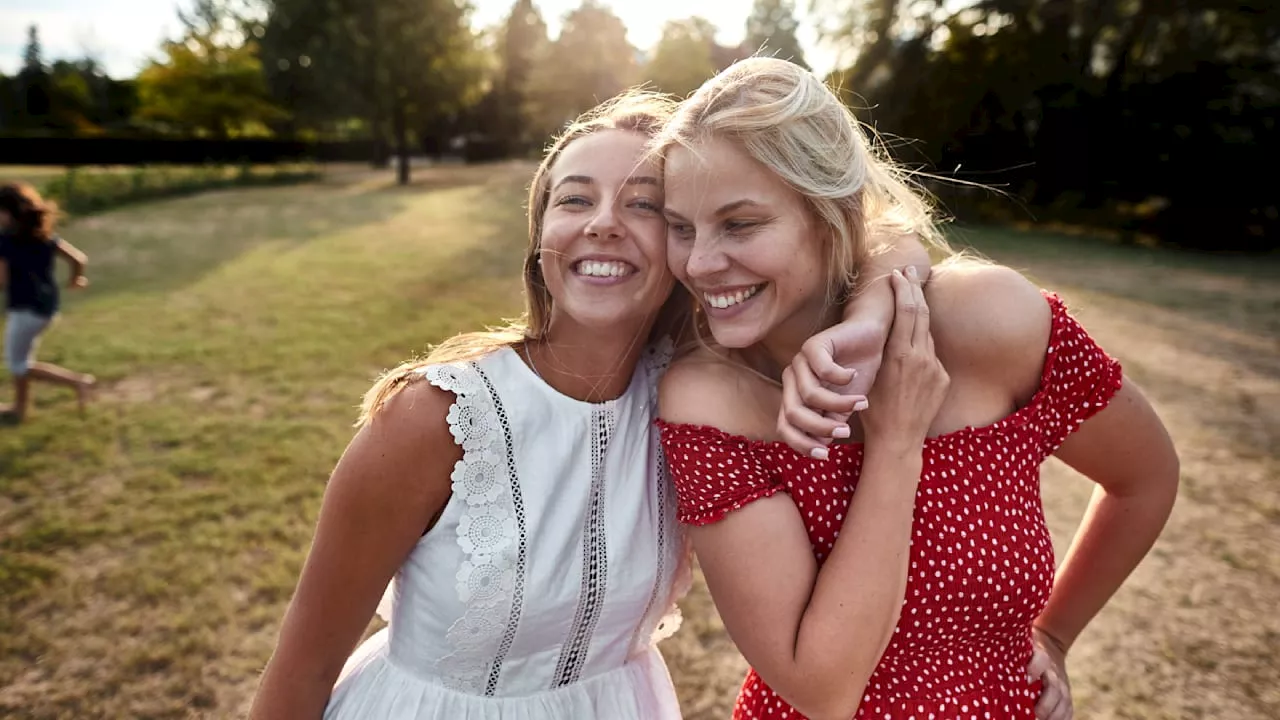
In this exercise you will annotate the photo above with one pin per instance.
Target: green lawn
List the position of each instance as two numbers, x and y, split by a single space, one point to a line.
147 550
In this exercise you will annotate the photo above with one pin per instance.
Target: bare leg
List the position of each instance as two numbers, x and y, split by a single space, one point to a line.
21 397
46 372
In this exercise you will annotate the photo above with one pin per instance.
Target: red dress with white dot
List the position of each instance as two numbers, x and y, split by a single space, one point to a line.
981 564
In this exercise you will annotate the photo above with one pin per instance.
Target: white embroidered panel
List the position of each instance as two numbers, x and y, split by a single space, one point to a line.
487 531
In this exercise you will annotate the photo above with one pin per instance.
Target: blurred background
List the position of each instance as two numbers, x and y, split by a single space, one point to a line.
1141 116
281 198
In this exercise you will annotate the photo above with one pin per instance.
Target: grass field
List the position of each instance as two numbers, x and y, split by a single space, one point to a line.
147 550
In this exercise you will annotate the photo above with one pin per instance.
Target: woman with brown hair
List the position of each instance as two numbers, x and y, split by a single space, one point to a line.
28 250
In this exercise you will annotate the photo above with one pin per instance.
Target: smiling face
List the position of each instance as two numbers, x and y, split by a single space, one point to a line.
745 244
603 242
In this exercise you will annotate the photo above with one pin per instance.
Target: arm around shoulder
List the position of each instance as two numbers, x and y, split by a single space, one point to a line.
386 489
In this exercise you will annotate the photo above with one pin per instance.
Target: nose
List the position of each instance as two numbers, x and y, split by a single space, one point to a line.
605 224
705 259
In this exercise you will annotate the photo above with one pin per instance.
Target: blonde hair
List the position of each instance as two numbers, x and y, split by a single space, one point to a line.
633 111
786 119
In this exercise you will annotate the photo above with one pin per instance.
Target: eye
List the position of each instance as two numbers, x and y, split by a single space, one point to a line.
572 200
740 227
680 230
647 204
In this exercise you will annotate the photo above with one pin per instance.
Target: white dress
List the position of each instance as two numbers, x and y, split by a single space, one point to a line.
542 589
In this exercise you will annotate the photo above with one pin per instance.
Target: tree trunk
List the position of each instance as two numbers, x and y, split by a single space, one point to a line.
402 142
379 146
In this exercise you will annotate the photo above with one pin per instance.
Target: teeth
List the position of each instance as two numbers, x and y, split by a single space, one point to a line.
725 300
595 268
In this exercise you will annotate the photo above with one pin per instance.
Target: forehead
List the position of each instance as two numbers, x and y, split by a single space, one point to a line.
717 171
605 154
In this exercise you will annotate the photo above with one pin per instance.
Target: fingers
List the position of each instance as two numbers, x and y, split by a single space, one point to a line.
920 331
804 430
814 396
1055 696
1039 665
904 315
820 356
1055 700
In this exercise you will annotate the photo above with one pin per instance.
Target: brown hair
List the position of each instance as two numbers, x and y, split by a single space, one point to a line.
33 216
634 111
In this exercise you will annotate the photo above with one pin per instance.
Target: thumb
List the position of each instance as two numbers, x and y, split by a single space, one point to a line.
1039 665
821 358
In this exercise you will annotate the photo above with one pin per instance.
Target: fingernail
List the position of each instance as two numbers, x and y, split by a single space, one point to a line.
861 405
841 431
818 453
897 272
911 272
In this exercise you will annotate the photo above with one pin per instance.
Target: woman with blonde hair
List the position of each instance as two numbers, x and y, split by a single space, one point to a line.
513 485
904 570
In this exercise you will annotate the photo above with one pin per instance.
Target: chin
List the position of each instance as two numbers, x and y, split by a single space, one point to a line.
735 338
603 319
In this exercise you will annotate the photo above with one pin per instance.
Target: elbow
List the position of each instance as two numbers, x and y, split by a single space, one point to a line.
826 698
839 704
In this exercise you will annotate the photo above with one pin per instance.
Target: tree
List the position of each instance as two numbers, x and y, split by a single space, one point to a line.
771 30
34 88
71 98
32 55
590 62
523 40
407 61
205 85
1103 112
683 58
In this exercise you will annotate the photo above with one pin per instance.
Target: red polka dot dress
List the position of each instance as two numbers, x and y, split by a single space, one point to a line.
981 564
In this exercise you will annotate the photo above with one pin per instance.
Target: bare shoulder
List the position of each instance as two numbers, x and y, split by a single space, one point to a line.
703 388
991 321
406 448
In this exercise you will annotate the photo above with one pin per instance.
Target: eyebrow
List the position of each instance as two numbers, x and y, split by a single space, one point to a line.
724 209
587 180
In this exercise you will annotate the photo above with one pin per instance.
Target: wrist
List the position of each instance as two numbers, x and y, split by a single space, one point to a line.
896 451
871 315
1058 640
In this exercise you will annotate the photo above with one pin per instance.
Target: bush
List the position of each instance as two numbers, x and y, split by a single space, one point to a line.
80 191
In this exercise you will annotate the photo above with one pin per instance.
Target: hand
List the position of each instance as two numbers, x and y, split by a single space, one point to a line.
77 282
1049 664
819 392
912 383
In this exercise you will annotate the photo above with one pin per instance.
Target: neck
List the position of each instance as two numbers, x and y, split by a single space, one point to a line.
584 363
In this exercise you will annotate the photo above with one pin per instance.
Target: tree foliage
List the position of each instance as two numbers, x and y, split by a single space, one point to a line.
1132 113
589 62
771 30
398 64
683 58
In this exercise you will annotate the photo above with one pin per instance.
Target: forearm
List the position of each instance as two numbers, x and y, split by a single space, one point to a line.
873 301
298 679
858 593
1114 536
298 695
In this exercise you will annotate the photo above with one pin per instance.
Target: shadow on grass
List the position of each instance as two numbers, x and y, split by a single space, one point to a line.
162 246
1233 291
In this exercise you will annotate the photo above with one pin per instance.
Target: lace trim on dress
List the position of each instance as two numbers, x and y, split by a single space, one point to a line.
490 532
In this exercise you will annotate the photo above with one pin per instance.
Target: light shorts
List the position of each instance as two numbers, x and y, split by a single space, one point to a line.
21 335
